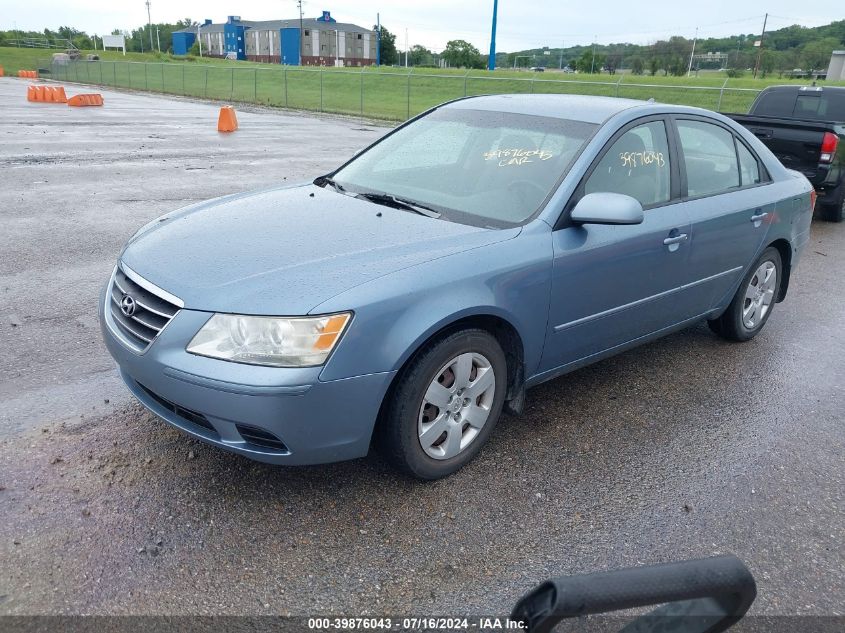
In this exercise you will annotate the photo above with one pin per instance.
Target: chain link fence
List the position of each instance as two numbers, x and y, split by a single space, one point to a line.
387 95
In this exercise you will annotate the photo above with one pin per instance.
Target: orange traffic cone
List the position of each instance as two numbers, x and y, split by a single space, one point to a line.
1 72
227 121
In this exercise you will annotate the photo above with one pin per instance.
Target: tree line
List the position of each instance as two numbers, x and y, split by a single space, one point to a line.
783 50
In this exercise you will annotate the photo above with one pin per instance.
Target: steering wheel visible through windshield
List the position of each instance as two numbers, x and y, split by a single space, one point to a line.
471 166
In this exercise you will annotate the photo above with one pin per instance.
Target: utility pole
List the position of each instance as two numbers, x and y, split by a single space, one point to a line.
301 32
150 25
692 54
158 39
760 52
561 54
199 38
378 40
491 60
406 48
593 63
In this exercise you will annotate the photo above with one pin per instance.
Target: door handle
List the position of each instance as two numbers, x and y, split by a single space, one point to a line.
759 217
677 239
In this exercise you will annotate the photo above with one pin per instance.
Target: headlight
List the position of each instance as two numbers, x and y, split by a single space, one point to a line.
273 341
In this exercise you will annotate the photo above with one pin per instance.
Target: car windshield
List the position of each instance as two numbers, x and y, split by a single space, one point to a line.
471 166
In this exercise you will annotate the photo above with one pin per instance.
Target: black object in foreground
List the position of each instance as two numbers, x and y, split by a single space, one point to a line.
698 596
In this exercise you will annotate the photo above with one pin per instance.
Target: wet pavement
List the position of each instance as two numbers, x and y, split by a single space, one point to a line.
684 448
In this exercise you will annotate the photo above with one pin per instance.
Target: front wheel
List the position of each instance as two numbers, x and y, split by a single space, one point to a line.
444 405
753 302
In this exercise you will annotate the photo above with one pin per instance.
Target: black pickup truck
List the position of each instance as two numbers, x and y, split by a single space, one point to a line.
804 126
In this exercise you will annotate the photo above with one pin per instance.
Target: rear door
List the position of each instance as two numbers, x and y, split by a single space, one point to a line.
723 184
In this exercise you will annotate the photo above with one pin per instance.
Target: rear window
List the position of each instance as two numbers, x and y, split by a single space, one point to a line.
813 105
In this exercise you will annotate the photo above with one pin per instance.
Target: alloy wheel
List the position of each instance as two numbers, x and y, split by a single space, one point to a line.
759 295
456 405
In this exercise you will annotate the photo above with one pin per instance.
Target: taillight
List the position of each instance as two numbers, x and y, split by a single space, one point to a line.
813 196
829 144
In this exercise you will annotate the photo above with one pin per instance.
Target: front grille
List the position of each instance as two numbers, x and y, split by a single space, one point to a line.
186 414
152 312
261 438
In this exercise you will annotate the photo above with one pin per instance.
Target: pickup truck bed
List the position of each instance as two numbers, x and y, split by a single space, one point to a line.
804 127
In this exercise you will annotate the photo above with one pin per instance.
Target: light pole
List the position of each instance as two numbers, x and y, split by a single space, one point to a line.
593 63
491 60
150 25
301 32
692 54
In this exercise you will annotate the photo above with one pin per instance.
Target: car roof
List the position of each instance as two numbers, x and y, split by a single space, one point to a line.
584 108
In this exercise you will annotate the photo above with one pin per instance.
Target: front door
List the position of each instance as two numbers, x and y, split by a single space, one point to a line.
614 284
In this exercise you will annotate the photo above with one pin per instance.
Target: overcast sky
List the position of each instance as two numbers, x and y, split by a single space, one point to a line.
522 23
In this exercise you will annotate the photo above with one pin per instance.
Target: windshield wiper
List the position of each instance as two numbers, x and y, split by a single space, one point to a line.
390 200
322 181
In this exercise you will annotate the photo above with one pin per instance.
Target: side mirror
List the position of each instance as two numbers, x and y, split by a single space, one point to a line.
607 208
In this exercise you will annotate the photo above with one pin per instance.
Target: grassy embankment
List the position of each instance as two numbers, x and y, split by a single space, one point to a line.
388 93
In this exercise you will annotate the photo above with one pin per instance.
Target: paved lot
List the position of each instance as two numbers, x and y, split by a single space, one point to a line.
684 448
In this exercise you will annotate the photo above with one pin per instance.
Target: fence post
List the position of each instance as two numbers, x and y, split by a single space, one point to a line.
114 73
286 85
146 77
321 88
409 93
183 79
232 87
465 83
362 91
532 83
621 77
100 64
255 85
721 92
205 84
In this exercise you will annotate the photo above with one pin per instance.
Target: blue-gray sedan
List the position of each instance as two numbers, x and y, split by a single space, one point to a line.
411 295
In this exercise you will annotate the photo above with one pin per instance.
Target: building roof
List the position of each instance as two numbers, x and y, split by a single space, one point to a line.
275 25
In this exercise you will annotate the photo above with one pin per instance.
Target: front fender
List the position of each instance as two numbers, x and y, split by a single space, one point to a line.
397 314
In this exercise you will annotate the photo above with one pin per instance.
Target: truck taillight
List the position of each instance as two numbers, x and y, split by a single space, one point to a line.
829 144
813 196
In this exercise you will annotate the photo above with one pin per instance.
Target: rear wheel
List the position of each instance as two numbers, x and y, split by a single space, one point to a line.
753 302
445 405
835 211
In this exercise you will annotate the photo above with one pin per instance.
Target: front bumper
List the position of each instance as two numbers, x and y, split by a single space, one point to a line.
273 415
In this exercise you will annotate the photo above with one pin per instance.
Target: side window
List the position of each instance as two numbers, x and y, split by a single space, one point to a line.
749 169
709 158
637 165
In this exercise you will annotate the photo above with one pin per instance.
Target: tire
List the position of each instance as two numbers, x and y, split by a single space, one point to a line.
753 302
834 212
406 433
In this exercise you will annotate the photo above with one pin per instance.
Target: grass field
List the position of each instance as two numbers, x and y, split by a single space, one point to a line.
387 93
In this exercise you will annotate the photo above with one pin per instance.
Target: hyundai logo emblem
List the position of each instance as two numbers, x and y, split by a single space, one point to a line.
128 305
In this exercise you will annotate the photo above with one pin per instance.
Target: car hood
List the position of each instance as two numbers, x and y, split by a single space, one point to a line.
286 250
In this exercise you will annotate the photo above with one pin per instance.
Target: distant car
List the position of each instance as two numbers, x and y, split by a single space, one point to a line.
538 69
484 247
62 59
